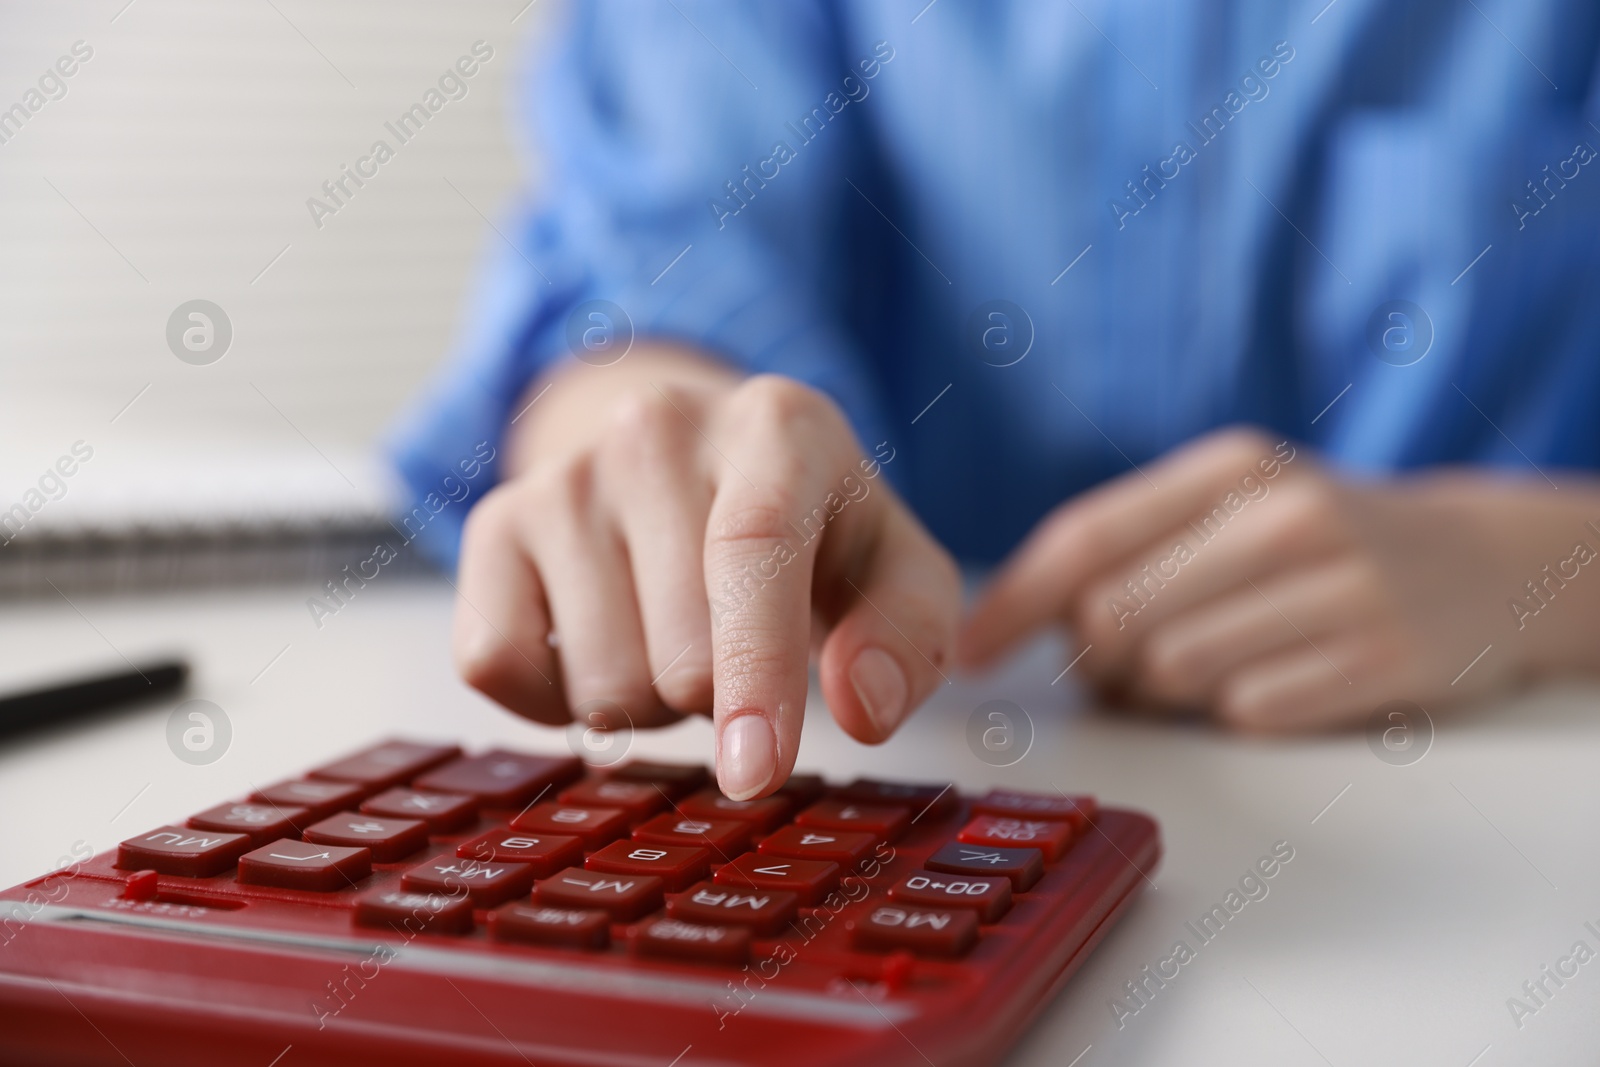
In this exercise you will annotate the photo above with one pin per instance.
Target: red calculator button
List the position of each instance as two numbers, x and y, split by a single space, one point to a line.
593 826
763 814
943 932
927 802
389 840
263 822
443 812
990 897
320 799
676 865
884 823
725 837
1077 810
1023 866
802 789
835 846
809 880
387 764
183 852
574 927
676 779
414 913
486 884
690 941
544 853
501 779
764 911
297 865
639 799
1048 836
623 897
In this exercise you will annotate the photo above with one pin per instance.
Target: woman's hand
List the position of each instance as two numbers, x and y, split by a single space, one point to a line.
1240 577
666 537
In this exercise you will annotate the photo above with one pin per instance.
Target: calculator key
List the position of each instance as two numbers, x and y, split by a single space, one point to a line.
809 880
320 799
676 779
764 911
623 897
802 789
593 826
183 852
724 837
443 812
297 865
941 932
263 822
1023 866
389 840
928 803
414 913
501 779
676 865
1049 837
639 799
1077 810
990 896
884 823
387 764
545 854
676 939
486 884
763 814
835 846
540 925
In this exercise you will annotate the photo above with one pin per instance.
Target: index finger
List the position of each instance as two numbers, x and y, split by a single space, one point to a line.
761 541
1110 523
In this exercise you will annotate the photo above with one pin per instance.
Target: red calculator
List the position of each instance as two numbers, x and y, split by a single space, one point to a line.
413 905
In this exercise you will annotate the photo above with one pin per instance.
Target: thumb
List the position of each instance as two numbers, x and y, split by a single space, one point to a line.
894 603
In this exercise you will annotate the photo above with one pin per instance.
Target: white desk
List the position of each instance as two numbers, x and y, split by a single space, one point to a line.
1413 908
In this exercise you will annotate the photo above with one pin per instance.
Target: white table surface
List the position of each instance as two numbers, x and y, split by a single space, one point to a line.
1413 908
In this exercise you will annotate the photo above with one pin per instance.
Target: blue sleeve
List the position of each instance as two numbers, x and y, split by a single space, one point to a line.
693 178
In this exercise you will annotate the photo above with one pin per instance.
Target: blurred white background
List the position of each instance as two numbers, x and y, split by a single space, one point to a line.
177 166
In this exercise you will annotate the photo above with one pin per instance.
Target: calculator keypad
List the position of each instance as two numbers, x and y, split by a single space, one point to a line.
501 779
942 932
297 865
487 884
527 851
544 853
443 812
181 851
620 896
262 822
389 840
675 865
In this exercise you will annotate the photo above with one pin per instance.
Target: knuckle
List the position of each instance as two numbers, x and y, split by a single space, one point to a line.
642 423
762 515
1304 515
567 484
1239 445
776 401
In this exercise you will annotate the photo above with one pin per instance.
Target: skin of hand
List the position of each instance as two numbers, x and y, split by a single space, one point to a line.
682 531
1240 577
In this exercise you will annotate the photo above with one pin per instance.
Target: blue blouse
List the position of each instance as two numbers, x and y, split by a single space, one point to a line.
1031 243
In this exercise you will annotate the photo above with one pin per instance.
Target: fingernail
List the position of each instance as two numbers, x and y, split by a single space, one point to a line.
748 756
880 685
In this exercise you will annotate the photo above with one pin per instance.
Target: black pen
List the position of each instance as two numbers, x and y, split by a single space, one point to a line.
70 700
